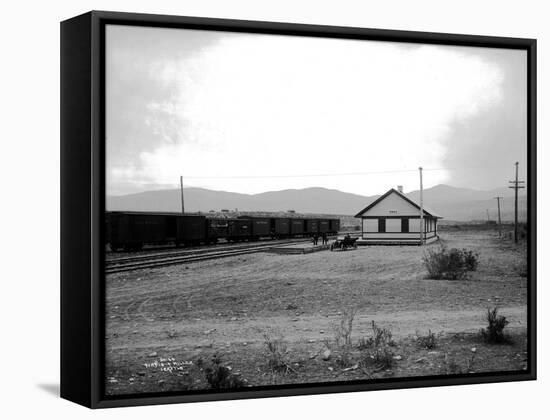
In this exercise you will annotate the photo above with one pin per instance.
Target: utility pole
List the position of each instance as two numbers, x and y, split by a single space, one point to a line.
499 220
516 187
421 209
181 189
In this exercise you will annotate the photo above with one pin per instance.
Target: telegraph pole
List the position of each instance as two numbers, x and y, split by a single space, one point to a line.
421 209
516 187
499 220
181 189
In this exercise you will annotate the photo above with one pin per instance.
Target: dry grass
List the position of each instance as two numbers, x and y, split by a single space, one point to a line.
428 341
225 304
277 357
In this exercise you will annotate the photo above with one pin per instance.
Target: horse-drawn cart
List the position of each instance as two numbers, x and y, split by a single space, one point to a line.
343 243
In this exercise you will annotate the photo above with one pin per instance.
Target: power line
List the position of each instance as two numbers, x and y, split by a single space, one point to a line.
311 175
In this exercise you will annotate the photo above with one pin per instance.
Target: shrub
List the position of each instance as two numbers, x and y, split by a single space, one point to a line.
342 337
383 358
471 259
494 333
380 358
380 337
427 341
219 376
342 332
344 358
449 264
378 348
276 353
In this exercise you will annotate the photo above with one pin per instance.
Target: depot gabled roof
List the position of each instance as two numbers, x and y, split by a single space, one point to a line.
404 197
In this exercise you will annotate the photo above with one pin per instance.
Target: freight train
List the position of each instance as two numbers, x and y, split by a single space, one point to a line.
130 231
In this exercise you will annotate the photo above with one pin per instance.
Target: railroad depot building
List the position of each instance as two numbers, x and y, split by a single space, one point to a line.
394 219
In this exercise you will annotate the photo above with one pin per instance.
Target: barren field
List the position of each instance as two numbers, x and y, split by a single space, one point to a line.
163 326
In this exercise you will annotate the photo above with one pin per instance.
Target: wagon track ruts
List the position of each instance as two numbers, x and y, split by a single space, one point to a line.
159 260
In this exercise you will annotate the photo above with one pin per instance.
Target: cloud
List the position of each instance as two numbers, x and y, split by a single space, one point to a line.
481 150
251 105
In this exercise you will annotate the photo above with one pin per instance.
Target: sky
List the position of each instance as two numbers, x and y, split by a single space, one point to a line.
251 113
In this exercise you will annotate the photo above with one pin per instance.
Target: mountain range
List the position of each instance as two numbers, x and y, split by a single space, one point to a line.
452 203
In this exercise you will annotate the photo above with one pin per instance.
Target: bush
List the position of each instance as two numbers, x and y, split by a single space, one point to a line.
427 341
276 353
452 264
383 358
220 377
342 337
344 357
381 337
471 259
494 333
342 332
377 348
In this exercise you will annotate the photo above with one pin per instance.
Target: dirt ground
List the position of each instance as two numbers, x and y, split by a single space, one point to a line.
163 324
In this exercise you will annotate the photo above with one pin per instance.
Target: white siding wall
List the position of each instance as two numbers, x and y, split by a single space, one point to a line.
391 235
393 205
394 225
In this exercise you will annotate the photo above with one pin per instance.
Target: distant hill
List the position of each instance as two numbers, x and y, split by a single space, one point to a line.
308 200
460 204
464 204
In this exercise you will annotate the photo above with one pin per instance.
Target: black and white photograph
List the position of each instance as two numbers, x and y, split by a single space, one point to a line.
321 209
297 210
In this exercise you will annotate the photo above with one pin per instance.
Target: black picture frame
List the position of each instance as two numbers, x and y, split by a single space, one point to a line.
83 203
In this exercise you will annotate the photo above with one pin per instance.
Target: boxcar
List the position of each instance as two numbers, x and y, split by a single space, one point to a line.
324 225
297 227
280 227
132 230
312 227
191 230
334 225
216 229
238 229
259 226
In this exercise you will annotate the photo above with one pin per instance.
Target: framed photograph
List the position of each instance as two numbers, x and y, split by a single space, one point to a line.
256 209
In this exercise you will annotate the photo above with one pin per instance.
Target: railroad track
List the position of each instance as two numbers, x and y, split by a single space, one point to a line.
174 252
163 259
